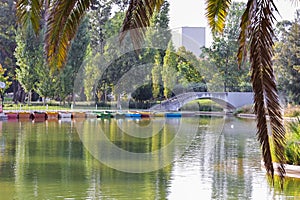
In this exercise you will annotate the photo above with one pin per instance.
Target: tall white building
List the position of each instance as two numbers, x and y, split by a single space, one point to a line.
192 38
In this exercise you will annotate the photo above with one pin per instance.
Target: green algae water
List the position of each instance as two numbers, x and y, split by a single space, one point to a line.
50 160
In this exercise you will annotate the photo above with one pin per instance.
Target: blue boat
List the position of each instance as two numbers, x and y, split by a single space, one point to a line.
173 115
135 115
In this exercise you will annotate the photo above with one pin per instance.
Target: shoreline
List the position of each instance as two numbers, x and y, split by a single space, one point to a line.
252 116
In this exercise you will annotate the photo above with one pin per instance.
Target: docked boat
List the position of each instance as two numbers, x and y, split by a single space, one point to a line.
158 114
52 115
78 114
65 115
133 115
145 114
118 115
12 115
169 115
91 115
39 115
103 114
24 115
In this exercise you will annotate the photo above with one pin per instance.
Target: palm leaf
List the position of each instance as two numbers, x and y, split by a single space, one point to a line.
216 14
62 23
138 17
29 11
245 25
265 93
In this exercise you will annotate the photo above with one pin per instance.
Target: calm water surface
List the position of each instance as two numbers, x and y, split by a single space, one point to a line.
211 158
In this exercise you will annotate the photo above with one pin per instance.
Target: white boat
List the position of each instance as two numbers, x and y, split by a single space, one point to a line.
65 115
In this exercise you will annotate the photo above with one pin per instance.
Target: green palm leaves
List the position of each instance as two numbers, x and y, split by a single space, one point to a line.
138 17
61 19
216 14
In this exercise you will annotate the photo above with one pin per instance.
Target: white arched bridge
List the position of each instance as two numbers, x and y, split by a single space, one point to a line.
228 100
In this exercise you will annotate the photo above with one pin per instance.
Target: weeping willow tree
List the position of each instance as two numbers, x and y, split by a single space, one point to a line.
256 35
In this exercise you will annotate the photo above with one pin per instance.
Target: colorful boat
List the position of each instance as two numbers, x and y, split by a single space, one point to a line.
65 115
145 114
91 115
24 115
39 115
12 115
78 114
103 114
106 115
133 115
159 114
171 115
52 115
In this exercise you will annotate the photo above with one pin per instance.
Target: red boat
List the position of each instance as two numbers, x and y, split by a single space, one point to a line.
12 115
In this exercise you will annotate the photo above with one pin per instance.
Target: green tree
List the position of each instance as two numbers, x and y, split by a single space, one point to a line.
3 79
7 35
44 84
99 15
286 59
159 33
156 75
92 74
188 71
8 27
169 70
29 56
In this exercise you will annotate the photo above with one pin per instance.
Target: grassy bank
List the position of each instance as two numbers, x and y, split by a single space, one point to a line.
196 105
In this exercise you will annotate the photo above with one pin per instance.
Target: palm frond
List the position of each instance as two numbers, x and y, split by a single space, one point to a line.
216 12
29 11
244 26
265 93
62 23
138 17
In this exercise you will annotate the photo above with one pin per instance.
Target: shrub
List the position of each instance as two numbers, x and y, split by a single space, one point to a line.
292 148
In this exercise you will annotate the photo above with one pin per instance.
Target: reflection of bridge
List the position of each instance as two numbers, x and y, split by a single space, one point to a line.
229 100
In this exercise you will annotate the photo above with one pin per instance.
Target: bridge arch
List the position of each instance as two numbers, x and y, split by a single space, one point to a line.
228 100
221 102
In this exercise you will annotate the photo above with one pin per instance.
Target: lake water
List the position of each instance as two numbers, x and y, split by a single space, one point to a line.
159 158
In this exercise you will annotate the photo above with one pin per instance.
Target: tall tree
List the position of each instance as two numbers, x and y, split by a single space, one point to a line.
45 84
286 59
188 71
169 70
28 54
7 35
156 75
8 43
99 15
92 73
158 35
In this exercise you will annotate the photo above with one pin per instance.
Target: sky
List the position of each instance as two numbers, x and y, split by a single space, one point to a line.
192 13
